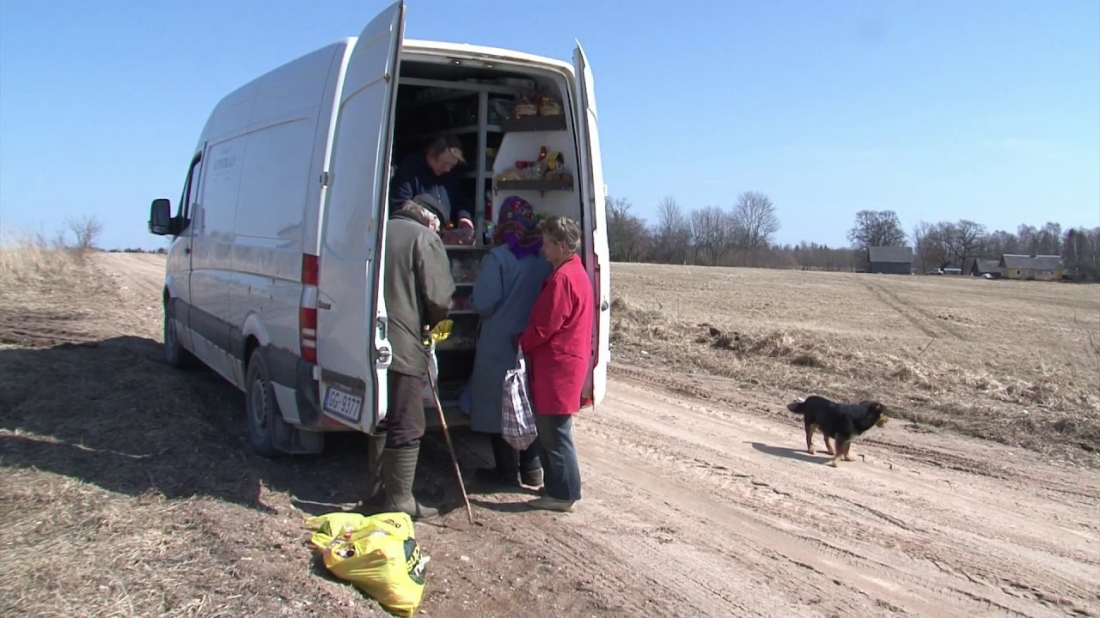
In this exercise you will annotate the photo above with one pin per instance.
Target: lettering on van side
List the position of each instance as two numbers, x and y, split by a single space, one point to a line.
225 163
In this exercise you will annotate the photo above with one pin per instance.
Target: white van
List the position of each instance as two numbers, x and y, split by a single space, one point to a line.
274 275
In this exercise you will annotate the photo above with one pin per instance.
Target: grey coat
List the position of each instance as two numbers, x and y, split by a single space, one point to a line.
505 290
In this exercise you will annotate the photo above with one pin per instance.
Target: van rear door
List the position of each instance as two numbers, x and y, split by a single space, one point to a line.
595 229
352 348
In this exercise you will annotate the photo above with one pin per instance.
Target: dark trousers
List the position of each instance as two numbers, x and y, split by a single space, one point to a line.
404 423
529 458
505 457
561 472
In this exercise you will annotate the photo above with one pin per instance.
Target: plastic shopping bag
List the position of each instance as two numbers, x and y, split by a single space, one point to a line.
378 554
518 421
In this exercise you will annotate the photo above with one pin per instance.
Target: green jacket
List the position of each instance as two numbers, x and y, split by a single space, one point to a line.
418 289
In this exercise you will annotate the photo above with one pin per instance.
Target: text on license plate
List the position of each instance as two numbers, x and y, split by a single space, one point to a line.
343 404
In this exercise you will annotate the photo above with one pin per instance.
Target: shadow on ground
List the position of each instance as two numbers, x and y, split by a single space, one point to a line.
113 414
789 453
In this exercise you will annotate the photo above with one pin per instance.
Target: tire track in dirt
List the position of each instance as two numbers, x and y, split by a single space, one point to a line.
695 509
931 552
920 319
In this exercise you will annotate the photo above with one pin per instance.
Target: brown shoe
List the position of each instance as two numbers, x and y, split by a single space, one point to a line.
546 503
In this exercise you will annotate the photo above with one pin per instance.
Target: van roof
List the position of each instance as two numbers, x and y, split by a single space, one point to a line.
466 49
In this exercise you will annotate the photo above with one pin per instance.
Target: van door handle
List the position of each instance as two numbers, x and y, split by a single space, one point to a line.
323 305
187 250
604 306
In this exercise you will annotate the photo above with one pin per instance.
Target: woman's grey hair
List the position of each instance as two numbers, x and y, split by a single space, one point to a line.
563 231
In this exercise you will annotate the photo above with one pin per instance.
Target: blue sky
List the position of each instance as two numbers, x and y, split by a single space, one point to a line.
987 110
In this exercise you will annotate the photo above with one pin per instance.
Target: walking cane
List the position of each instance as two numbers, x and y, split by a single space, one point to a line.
441 332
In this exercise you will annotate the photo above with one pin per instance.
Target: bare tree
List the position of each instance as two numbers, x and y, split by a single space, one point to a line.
877 229
1081 253
924 244
966 239
1028 238
1050 239
755 220
1000 243
87 230
627 235
672 234
711 234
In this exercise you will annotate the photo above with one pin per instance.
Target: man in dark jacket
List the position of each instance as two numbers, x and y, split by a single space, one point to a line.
430 172
418 289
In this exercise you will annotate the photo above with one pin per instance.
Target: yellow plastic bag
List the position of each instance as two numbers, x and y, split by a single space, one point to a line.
378 554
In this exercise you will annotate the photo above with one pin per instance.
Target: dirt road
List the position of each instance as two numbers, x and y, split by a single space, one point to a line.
693 508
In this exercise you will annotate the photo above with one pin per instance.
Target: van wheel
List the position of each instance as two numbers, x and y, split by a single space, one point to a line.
263 411
175 354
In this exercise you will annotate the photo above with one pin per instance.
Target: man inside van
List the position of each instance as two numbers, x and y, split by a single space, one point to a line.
418 289
430 172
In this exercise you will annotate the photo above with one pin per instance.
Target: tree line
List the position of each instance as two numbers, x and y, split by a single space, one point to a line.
742 235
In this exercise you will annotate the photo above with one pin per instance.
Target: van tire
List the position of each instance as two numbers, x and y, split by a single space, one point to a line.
261 407
175 354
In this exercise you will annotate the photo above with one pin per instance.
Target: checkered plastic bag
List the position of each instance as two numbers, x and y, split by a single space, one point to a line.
518 426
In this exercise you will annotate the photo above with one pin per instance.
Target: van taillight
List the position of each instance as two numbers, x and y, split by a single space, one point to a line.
311 270
307 309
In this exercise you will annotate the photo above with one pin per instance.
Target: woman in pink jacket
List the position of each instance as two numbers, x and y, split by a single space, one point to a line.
557 345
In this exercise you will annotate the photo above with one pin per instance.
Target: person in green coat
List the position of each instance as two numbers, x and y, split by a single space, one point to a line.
418 288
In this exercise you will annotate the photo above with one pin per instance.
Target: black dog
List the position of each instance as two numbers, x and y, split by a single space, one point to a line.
840 421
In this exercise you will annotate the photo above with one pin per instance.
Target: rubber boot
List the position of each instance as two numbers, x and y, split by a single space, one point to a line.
398 472
530 467
505 464
375 491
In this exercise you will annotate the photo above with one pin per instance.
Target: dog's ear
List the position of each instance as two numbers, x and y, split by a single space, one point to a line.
878 407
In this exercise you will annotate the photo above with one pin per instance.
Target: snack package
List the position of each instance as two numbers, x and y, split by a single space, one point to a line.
524 107
548 106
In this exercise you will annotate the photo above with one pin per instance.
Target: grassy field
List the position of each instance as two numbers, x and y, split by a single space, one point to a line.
1015 362
128 488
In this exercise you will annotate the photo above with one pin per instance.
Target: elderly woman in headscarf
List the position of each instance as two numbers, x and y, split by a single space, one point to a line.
506 288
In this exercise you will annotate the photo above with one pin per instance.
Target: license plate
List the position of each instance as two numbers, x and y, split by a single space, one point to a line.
343 404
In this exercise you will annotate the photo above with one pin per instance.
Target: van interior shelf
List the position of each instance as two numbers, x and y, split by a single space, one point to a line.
490 128
533 123
542 186
436 98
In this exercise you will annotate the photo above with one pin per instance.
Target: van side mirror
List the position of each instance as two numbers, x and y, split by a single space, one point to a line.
160 217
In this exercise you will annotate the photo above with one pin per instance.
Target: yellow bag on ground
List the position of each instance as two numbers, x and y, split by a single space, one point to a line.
378 554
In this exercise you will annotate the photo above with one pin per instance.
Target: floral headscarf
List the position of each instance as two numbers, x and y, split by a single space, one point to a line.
518 228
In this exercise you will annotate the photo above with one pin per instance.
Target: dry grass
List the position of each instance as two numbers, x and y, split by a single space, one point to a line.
124 490
33 269
129 489
1010 361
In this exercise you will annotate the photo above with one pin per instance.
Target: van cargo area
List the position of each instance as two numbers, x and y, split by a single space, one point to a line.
441 96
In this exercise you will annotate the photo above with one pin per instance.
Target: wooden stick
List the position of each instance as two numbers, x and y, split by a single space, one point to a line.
450 446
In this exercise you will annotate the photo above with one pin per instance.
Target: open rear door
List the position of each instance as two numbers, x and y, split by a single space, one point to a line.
594 220
352 347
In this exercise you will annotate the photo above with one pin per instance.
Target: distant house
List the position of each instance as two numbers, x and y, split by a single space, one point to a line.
1031 267
890 260
979 267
